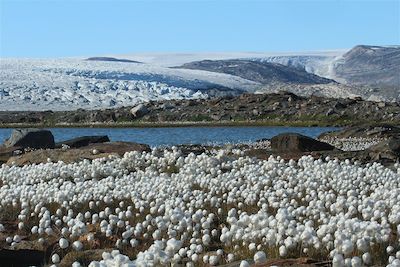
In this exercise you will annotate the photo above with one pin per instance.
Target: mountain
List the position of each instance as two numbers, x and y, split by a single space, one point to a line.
375 66
262 72
293 75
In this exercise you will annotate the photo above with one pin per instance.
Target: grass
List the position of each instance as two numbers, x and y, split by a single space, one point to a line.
205 120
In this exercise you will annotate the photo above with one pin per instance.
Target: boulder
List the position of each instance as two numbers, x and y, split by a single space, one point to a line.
139 111
330 112
387 149
83 141
293 142
167 106
31 138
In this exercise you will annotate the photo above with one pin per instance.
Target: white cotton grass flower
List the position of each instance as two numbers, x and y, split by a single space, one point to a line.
63 243
389 249
77 245
17 239
176 204
55 258
260 257
366 258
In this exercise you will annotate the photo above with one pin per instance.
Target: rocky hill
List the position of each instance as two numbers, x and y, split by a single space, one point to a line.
270 109
375 66
370 72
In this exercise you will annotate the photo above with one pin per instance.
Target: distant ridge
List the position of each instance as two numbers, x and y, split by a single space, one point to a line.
262 72
112 59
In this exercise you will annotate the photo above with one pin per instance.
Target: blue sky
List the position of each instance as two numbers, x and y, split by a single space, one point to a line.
85 28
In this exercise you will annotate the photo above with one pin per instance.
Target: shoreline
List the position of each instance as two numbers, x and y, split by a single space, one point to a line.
191 124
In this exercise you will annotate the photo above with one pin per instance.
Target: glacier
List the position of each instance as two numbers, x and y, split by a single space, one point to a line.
72 83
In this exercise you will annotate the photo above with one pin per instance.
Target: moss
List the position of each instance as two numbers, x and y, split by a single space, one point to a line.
200 117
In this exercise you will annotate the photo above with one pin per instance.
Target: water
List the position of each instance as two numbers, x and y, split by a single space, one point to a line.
181 135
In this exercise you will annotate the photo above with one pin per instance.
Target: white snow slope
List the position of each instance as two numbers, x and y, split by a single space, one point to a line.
64 84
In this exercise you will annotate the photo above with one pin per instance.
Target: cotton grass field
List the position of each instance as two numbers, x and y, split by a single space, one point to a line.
164 208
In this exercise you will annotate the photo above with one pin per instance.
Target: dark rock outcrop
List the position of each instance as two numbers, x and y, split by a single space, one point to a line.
195 149
293 142
262 72
83 141
139 111
21 257
31 138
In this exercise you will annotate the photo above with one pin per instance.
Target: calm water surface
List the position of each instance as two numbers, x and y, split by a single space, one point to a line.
181 135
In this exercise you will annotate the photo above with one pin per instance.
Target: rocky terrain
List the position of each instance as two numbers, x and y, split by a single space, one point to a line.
269 109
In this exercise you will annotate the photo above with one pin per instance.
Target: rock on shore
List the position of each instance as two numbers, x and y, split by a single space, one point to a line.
30 138
293 142
92 151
